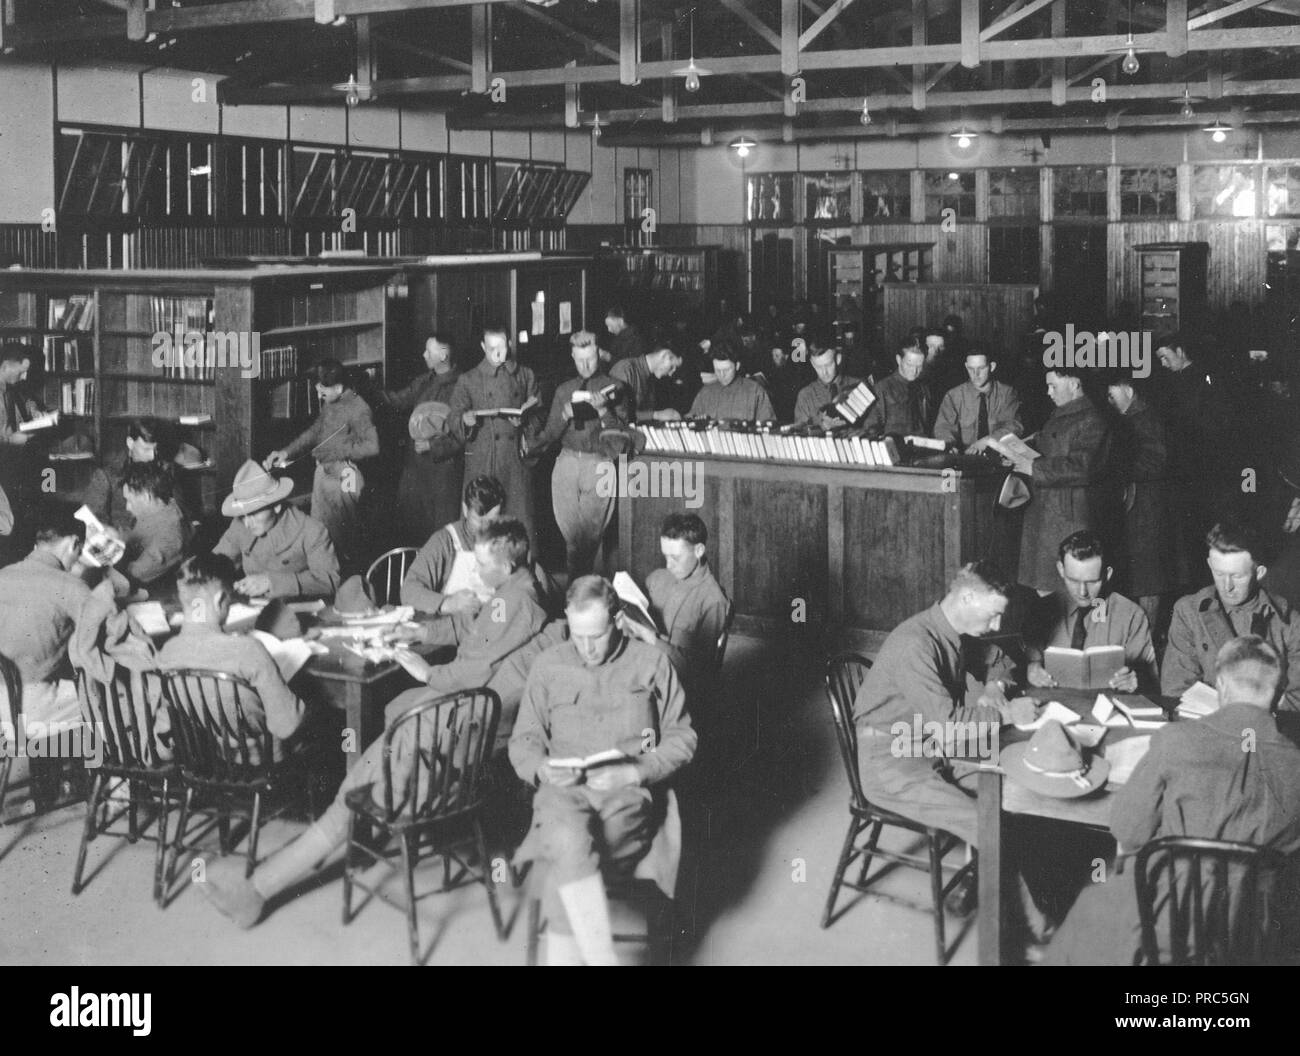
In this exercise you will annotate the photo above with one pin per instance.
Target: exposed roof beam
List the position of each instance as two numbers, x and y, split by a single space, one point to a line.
970 33
1012 15
480 61
423 53
827 17
940 74
999 97
1176 27
547 19
789 37
738 8
917 48
629 40
1211 17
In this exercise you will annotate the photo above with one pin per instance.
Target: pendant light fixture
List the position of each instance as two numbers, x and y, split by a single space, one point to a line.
690 71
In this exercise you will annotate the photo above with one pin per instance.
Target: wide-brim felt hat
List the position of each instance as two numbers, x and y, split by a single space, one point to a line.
254 489
1054 764
428 420
1015 492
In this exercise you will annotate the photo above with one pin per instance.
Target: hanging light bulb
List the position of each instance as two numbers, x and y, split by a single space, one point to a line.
692 77
1187 110
963 136
1130 65
691 71
866 113
1218 131
743 146
595 127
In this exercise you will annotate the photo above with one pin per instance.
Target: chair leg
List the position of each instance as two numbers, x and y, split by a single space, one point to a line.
255 824
5 764
869 851
846 855
132 814
179 844
88 831
412 922
347 868
164 812
488 880
534 929
936 892
223 832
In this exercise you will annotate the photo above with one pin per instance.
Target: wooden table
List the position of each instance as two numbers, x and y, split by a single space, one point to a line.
1091 811
360 690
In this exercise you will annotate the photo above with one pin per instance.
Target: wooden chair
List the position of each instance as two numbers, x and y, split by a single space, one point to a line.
122 713
384 577
13 687
629 894
431 803
844 675
226 757
1206 902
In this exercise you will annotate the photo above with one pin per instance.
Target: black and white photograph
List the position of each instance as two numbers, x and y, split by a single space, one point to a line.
650 483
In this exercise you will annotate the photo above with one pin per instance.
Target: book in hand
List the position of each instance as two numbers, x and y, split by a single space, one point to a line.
929 443
1090 668
1197 701
583 409
853 404
506 412
103 547
590 762
635 604
1015 450
41 421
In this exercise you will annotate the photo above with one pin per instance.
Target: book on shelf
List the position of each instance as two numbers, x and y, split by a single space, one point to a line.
65 355
1090 668
77 396
279 362
76 312
296 398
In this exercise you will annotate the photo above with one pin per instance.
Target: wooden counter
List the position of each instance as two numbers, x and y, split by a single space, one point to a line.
863 549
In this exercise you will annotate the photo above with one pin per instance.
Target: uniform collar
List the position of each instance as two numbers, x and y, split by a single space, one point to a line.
510 366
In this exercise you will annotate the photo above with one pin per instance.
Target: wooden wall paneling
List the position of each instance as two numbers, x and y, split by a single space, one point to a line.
783 525
996 315
894 554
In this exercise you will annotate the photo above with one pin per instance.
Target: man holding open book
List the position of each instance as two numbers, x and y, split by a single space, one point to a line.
814 403
1083 636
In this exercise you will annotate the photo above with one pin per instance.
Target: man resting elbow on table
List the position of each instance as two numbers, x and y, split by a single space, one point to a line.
1082 613
1195 780
509 620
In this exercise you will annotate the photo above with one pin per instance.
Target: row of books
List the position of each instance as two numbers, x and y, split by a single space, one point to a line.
677 281
67 355
71 313
281 362
323 306
295 399
764 440
680 262
77 397
170 314
156 399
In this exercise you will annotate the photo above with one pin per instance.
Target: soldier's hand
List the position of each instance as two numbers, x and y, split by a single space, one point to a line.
560 776
1125 680
462 601
614 776
668 415
1038 676
469 418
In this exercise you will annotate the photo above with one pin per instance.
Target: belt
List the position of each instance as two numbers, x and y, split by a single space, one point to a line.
583 454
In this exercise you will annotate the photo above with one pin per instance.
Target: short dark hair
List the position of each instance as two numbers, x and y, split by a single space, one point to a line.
153 478
1082 545
1176 339
1233 537
495 327
723 349
15 352
983 574
484 493
147 429
443 338
586 591
330 372
664 346
507 539
207 569
54 523
617 311
1067 370
685 526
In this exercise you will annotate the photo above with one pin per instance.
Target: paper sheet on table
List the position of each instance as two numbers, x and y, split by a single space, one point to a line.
1110 712
1054 710
151 617
289 654
1124 755
242 614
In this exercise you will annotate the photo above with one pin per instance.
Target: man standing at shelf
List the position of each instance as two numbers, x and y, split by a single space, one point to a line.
731 396
626 341
20 454
829 386
582 408
281 552
978 409
429 489
902 404
343 433
636 377
491 415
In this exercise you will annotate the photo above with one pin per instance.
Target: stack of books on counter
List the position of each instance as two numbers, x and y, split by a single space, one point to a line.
763 441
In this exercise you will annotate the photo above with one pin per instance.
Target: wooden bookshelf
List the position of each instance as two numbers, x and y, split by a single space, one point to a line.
96 339
667 281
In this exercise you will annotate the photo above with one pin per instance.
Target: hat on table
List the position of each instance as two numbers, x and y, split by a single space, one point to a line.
352 599
254 489
428 420
1051 762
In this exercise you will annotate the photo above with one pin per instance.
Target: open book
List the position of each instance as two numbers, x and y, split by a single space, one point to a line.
1197 701
582 406
610 755
505 412
1089 668
1011 447
853 404
635 603
41 421
103 547
289 654
927 442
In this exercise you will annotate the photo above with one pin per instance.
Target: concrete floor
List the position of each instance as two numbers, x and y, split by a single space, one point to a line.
773 839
